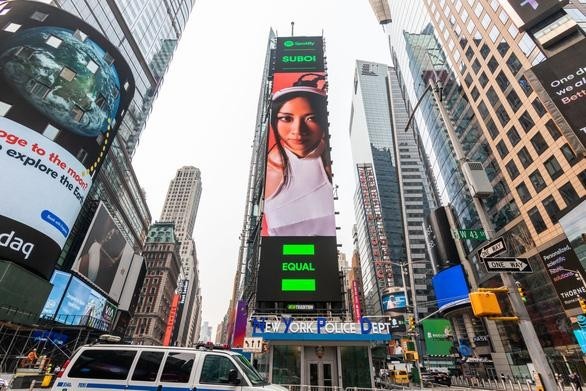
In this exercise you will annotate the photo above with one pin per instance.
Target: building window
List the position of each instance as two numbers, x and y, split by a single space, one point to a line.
12 27
67 74
514 100
492 129
552 209
483 79
523 192
492 64
502 149
513 136
92 66
53 41
514 64
537 220
569 154
492 96
503 116
39 16
503 48
525 85
483 110
537 181
512 169
569 194
4 107
51 132
38 89
502 81
553 167
539 143
553 129
538 106
526 121
525 157
485 50
475 94
582 178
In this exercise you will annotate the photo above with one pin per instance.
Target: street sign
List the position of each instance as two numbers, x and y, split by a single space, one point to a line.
495 247
252 344
463 234
506 264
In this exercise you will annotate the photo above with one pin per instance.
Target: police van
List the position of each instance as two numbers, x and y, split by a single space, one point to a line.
159 368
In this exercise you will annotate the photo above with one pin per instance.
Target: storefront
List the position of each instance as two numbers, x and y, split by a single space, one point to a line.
320 352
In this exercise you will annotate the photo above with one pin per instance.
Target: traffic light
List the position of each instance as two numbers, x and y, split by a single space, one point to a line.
522 292
411 321
582 302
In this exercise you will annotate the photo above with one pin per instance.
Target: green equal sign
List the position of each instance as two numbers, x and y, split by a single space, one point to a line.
298 249
298 284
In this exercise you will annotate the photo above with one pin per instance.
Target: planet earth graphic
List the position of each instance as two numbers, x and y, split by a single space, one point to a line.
82 105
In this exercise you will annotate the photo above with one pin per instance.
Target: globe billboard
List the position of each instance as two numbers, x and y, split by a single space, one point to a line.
63 91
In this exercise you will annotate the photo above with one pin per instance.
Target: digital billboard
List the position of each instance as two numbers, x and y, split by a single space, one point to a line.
574 226
438 336
441 246
394 301
59 280
82 305
450 287
63 91
240 324
298 248
563 77
105 256
528 13
563 265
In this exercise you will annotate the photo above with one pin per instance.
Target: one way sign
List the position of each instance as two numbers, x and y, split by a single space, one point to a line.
505 264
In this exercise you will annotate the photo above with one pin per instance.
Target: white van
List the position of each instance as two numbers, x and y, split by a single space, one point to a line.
159 368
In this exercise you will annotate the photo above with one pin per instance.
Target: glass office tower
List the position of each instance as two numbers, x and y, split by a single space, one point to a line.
538 174
393 193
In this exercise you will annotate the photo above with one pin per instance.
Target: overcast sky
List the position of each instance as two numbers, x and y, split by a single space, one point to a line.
206 109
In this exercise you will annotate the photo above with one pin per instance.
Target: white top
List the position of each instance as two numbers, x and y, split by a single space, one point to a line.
303 206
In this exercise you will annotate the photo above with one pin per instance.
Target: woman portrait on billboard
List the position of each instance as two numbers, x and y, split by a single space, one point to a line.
298 187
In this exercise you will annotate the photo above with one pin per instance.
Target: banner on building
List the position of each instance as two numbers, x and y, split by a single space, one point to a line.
566 273
527 13
240 324
563 77
438 336
105 256
64 89
298 247
169 337
440 243
574 225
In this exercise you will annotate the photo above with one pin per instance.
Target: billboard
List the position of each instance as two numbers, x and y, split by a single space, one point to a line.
105 256
394 301
84 306
240 324
63 91
298 248
440 242
563 77
438 337
563 265
450 288
528 13
356 308
59 280
168 338
574 226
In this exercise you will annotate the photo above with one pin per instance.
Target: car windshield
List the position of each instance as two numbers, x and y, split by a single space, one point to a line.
255 378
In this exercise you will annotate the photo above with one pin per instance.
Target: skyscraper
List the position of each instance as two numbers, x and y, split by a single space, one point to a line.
390 178
180 207
504 119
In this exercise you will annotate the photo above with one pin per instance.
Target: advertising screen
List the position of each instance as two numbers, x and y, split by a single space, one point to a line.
562 265
441 246
83 305
240 324
298 249
563 76
527 13
438 337
450 287
59 280
105 256
63 91
394 301
574 225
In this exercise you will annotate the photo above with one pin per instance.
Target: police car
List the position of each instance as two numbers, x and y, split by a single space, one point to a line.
159 368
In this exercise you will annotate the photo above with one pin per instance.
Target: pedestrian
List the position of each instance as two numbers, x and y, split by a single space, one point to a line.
576 380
